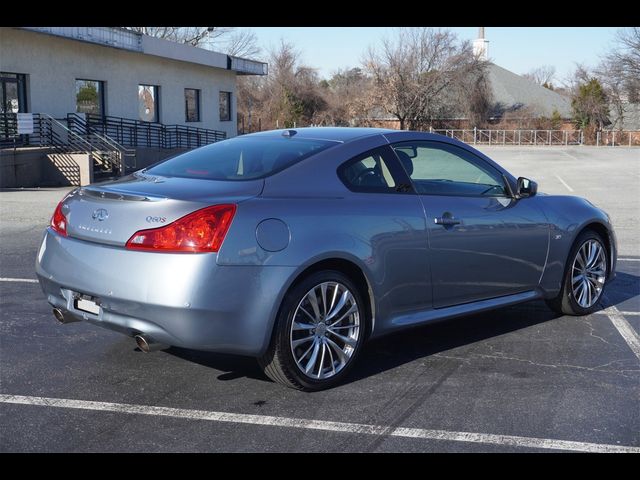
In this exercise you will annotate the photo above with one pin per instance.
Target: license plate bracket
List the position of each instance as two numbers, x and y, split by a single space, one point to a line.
86 305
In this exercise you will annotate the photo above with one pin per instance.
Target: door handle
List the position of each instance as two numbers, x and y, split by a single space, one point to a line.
446 221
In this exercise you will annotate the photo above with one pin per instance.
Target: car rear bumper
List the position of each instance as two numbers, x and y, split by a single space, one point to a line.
185 300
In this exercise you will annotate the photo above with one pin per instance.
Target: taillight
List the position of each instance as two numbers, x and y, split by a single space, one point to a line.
201 231
59 221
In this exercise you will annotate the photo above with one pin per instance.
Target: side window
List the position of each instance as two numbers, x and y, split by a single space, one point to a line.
443 169
368 172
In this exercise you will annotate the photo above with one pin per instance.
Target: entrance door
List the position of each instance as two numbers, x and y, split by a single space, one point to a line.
12 101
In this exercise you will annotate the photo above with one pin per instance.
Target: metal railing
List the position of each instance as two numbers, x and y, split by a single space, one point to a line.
9 131
137 133
514 137
106 156
77 123
620 138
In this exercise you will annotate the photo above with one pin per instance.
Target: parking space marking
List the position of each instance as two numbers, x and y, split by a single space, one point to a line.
624 328
343 427
24 280
623 259
563 182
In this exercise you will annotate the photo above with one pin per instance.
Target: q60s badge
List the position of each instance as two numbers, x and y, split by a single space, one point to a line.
152 219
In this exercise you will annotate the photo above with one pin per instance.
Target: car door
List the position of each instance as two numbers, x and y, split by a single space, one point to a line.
482 242
390 220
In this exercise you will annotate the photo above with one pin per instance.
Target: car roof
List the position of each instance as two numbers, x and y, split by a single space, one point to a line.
338 134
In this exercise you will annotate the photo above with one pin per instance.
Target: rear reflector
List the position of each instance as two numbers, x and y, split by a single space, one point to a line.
59 221
201 231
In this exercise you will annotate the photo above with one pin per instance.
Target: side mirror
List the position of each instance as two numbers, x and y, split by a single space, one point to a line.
526 187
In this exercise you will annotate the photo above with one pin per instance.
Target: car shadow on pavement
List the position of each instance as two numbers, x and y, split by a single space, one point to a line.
399 348
396 349
233 366
624 287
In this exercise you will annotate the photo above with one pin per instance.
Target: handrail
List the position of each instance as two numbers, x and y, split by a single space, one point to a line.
78 143
87 145
104 140
138 133
51 132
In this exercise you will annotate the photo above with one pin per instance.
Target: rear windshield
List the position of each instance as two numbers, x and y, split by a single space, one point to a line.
240 158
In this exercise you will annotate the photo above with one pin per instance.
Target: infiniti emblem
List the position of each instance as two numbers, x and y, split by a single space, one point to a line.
100 214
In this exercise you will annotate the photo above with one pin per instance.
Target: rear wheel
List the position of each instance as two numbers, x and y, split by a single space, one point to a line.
318 333
585 276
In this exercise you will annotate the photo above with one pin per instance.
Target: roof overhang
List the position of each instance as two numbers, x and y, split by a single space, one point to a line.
124 39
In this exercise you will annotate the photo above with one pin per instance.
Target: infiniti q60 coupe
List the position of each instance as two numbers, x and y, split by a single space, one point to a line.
296 246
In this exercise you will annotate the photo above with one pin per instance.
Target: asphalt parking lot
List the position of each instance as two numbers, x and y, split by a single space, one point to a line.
519 379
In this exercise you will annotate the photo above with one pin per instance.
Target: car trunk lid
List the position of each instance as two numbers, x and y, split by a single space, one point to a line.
112 212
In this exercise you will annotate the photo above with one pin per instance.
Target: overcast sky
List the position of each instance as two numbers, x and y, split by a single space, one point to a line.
518 49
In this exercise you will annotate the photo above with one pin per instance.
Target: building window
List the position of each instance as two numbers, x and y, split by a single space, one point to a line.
90 96
148 103
192 104
225 106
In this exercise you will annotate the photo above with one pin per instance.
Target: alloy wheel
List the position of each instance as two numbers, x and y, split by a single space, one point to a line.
325 330
588 273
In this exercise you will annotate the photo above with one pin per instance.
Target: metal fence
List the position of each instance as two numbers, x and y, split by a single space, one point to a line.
136 133
515 137
620 138
541 137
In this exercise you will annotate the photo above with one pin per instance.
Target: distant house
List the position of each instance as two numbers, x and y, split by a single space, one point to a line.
514 93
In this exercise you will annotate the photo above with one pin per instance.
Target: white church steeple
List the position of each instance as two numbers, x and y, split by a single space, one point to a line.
481 45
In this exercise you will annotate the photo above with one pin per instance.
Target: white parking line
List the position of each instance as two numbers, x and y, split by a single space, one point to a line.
24 280
628 333
623 259
343 427
564 183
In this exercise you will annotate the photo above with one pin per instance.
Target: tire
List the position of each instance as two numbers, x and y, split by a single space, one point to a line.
328 367
568 302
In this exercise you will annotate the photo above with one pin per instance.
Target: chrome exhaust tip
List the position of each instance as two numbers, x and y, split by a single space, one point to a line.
147 345
59 315
62 318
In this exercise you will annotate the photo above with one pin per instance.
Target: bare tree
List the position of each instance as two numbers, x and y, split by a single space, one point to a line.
628 51
610 73
412 73
196 36
242 43
227 39
346 94
543 75
289 96
476 98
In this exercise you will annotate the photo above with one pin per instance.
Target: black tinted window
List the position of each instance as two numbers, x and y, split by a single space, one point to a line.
240 158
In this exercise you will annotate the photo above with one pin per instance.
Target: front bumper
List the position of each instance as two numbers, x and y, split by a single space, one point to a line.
613 260
186 300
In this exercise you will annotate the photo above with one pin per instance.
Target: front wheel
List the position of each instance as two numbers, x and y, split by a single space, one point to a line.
318 333
585 276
